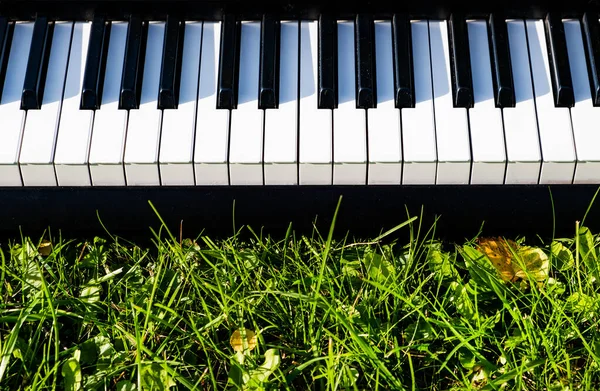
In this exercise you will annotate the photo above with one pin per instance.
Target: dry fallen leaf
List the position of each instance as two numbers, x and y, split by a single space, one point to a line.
237 343
45 248
498 250
501 253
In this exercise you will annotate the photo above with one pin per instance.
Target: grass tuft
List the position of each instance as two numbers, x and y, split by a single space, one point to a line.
300 313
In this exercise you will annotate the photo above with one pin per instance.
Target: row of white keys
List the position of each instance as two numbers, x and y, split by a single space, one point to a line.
212 125
246 133
143 129
178 125
383 122
316 144
584 116
485 119
281 124
520 122
349 122
418 124
451 126
41 126
75 128
110 123
12 117
554 123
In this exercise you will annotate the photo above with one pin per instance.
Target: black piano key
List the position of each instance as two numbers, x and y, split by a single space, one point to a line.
460 61
6 32
95 64
328 90
558 59
364 31
502 78
591 42
404 80
37 64
170 72
269 63
133 66
229 63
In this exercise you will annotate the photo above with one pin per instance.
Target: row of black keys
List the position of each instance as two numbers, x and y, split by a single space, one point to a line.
462 87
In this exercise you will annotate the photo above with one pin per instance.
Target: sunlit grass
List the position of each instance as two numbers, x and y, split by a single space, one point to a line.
328 314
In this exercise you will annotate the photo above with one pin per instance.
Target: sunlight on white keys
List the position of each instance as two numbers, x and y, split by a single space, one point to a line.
451 126
281 124
584 115
418 126
178 125
143 129
212 124
520 122
315 124
75 129
385 141
41 126
110 123
246 136
487 132
12 117
349 122
554 123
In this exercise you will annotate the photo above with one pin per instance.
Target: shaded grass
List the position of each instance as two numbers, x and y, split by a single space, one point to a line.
338 314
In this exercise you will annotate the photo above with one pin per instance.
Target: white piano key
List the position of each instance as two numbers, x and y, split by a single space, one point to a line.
315 167
385 141
41 126
212 124
520 123
75 127
485 119
584 115
451 125
349 122
11 116
110 123
418 126
143 129
281 124
246 137
554 123
178 125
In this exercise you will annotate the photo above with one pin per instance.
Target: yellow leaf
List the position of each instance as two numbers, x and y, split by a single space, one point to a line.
237 342
498 251
45 248
501 253
536 263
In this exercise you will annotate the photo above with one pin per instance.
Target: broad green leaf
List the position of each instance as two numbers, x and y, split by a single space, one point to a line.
581 303
419 331
125 385
535 262
462 300
440 263
71 372
564 256
90 292
155 377
259 376
379 268
588 252
89 351
480 269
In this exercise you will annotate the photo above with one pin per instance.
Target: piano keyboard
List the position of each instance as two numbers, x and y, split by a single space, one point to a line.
308 102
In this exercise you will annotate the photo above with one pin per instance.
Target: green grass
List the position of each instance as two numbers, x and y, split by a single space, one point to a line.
377 314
